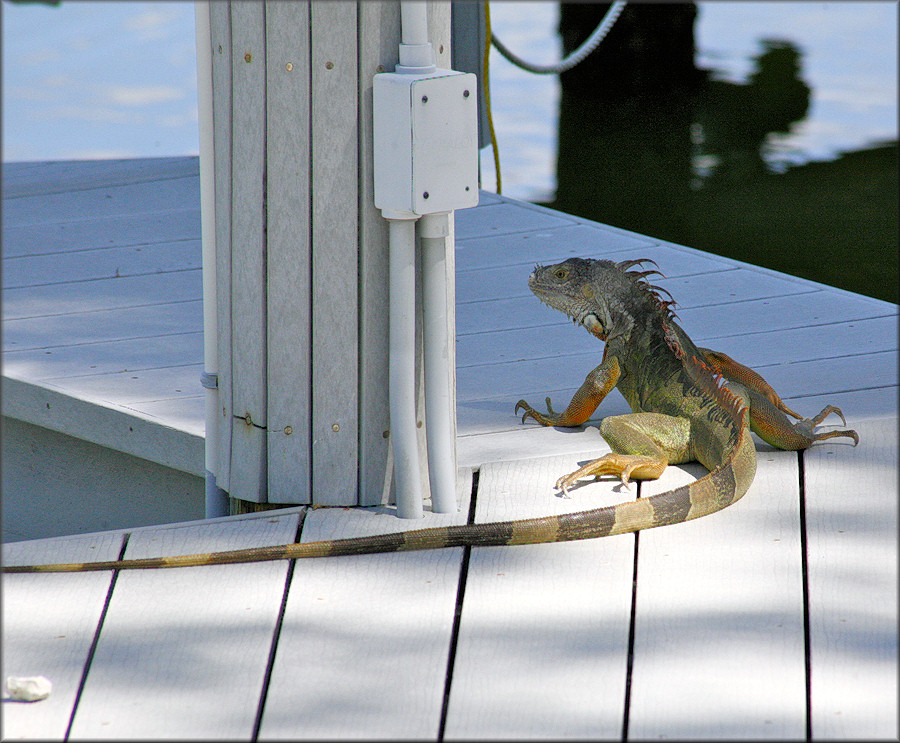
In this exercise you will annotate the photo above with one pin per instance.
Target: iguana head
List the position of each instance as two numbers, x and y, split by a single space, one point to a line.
605 297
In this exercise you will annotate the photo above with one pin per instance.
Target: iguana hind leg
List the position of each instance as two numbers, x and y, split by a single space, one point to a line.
771 425
643 444
736 372
767 409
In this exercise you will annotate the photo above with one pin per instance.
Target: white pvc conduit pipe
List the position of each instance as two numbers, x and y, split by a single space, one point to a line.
216 499
434 230
417 58
402 366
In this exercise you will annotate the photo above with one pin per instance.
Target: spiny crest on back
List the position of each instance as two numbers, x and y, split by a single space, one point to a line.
651 294
650 291
712 383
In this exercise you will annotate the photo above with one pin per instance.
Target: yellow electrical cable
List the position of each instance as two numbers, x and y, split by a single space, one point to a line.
486 86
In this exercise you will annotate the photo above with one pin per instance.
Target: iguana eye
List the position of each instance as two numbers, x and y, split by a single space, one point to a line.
560 273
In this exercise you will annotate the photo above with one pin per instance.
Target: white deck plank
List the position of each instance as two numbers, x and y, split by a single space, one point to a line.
543 636
101 326
183 653
875 332
364 644
90 232
718 649
139 198
109 357
46 177
100 263
713 284
49 623
791 311
505 218
136 386
851 501
54 300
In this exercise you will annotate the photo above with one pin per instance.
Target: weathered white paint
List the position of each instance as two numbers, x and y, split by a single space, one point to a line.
216 667
288 252
51 636
543 638
364 646
851 502
720 616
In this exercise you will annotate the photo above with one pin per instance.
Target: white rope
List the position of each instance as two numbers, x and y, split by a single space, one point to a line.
575 57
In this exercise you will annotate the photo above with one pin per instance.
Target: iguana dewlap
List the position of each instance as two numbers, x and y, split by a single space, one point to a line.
689 404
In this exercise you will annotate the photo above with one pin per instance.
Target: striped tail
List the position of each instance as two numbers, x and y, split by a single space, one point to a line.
713 492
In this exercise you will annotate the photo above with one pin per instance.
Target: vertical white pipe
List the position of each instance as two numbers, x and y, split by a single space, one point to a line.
433 232
413 22
216 500
402 366
416 53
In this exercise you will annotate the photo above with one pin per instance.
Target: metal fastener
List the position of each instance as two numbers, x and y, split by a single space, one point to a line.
248 57
288 430
425 195
424 99
335 428
465 94
289 67
329 65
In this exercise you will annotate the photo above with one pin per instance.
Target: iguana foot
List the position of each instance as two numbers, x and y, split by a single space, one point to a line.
807 426
545 420
622 465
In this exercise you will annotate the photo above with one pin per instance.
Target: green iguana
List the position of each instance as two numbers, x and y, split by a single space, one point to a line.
689 404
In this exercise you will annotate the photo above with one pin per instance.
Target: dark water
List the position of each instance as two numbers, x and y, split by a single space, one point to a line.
652 142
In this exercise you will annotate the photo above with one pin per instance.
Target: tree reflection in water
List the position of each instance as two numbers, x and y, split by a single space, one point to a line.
649 142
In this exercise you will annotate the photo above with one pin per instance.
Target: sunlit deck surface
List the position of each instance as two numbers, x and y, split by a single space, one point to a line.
774 618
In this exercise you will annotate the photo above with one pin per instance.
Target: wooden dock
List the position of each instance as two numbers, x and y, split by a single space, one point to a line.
776 618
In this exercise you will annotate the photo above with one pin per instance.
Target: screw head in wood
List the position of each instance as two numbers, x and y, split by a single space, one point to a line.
288 430
335 428
248 57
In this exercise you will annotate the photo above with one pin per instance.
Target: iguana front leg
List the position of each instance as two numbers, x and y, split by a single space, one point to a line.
767 410
596 386
643 445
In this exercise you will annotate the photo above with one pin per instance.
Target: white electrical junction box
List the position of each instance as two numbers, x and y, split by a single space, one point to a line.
425 141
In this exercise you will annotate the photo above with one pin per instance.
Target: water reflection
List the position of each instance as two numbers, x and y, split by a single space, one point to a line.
734 120
651 143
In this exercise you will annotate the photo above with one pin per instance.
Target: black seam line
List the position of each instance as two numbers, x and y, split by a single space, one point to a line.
629 664
118 308
804 571
26 349
457 614
104 278
123 371
82 682
242 419
276 636
100 248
